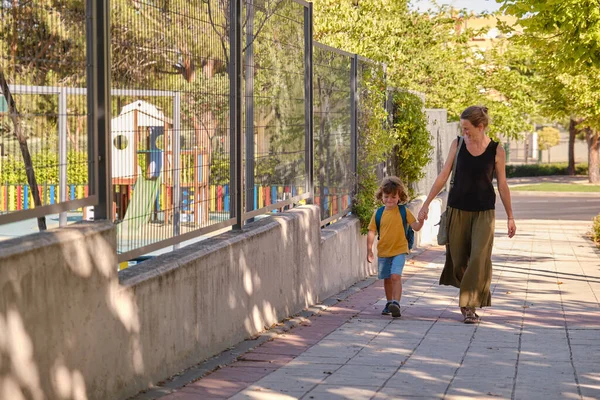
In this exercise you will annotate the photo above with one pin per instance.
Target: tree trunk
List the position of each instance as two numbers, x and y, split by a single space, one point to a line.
572 134
14 116
592 138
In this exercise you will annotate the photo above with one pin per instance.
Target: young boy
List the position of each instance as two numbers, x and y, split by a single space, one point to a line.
393 245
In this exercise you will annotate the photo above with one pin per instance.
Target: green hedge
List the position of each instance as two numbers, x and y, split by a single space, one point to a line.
524 170
596 230
45 164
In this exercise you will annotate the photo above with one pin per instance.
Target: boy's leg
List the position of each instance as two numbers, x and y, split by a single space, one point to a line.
396 283
396 278
389 289
385 265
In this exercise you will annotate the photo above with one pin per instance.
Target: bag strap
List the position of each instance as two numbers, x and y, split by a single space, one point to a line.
460 142
402 208
378 215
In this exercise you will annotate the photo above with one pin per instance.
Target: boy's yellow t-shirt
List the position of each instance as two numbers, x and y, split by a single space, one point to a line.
392 239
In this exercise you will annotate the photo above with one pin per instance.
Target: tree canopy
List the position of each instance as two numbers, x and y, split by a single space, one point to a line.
564 37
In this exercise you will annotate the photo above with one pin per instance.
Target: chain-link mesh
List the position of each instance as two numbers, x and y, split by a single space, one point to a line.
332 129
274 101
44 140
170 125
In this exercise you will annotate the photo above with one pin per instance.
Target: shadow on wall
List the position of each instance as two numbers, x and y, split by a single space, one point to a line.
61 304
71 327
206 297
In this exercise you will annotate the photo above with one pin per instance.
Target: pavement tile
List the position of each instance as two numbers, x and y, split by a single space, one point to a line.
480 387
322 360
360 375
392 393
240 374
280 359
180 395
209 386
281 349
341 392
259 393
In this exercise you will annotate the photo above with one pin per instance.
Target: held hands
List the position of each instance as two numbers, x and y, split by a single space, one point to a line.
512 227
423 212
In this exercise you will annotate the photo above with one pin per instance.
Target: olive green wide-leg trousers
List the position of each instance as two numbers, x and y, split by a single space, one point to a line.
469 256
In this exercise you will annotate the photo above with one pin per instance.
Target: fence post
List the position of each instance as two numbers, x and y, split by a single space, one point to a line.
62 154
249 70
308 102
98 82
176 152
235 115
354 122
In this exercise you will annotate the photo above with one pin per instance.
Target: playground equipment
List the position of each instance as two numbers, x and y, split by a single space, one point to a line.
143 169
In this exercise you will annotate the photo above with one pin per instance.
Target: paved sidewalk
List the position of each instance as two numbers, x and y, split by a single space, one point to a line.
539 340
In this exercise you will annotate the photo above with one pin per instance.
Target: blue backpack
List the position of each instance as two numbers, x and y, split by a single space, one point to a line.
408 230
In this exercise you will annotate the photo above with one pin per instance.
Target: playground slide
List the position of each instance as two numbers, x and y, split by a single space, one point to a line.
142 203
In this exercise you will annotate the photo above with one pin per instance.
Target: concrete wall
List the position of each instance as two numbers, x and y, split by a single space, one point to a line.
63 316
72 328
442 135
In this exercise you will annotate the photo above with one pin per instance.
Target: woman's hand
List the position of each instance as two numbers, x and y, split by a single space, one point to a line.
512 227
423 212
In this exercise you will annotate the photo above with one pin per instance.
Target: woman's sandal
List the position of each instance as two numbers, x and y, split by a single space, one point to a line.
470 315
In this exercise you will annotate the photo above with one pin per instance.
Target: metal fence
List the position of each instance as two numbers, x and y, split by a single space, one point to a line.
208 114
274 105
170 130
45 134
333 128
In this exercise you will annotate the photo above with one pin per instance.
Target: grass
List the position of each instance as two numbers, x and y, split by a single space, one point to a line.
558 187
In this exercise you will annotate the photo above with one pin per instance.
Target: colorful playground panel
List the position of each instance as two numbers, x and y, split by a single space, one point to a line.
19 197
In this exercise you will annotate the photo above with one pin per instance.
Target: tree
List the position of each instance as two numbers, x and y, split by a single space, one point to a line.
430 53
565 36
548 137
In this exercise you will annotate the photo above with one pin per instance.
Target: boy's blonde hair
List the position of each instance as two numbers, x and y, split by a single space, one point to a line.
392 185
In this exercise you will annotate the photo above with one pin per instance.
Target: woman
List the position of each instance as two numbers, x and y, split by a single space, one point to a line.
471 214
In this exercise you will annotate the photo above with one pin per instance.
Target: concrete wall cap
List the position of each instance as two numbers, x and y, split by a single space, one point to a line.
168 262
41 240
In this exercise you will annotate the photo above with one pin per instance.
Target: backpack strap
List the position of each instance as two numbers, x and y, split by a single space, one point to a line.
402 208
378 215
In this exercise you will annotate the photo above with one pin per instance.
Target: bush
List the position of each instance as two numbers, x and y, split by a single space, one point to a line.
46 166
596 230
412 141
524 170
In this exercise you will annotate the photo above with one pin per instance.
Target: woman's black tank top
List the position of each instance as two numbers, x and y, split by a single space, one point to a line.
473 189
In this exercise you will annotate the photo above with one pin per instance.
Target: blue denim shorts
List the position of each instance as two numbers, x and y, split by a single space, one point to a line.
391 265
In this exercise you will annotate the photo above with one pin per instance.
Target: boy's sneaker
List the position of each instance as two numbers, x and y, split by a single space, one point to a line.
394 309
386 309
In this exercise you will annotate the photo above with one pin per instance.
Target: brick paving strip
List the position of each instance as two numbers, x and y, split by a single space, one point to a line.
540 339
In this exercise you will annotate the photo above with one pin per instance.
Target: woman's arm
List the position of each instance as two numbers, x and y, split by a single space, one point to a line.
504 190
440 181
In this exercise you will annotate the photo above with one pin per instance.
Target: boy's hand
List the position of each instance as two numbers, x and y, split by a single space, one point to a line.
423 213
370 257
